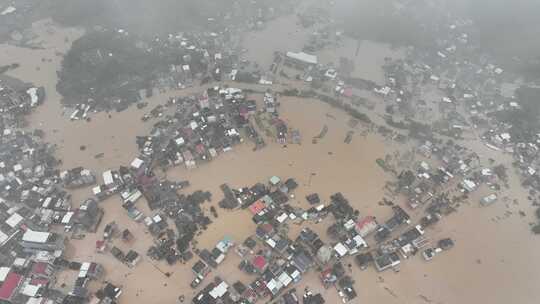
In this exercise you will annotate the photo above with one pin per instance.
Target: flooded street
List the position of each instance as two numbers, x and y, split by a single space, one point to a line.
495 258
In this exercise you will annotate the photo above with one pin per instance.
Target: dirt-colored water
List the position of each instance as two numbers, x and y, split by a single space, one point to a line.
367 58
280 35
494 260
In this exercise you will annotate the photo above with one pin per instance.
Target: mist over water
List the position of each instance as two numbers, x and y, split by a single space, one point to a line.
391 39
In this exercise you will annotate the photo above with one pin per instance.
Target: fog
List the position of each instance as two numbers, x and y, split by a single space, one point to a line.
148 17
508 27
312 127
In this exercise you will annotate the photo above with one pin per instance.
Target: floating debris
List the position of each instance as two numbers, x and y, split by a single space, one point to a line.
349 137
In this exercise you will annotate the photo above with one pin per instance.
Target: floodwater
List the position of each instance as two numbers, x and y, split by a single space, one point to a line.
367 58
279 35
494 260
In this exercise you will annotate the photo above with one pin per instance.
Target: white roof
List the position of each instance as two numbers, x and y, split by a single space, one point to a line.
349 224
220 258
383 91
490 197
219 290
46 202
3 237
223 246
469 184
271 243
4 271
19 262
36 301
273 285
487 172
282 217
285 279
40 300
232 132
180 141
108 177
43 256
340 249
295 274
86 172
148 221
96 190
67 217
304 57
8 10
30 290
35 236
360 241
83 273
424 165
134 196
33 95
137 163
14 220
230 91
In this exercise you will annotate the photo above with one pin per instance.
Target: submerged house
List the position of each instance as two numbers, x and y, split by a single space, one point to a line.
301 59
386 261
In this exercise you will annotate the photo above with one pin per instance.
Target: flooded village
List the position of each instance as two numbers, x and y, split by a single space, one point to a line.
272 160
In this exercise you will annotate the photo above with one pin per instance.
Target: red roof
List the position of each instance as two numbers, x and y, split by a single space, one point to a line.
267 227
145 180
100 245
39 268
365 221
92 267
326 273
200 148
10 284
257 207
243 111
348 92
188 132
40 282
259 262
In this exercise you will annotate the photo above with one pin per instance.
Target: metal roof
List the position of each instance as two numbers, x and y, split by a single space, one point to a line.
35 236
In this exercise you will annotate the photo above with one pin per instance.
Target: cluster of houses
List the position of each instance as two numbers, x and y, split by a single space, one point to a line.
200 129
278 261
201 56
461 92
138 183
204 126
34 203
33 278
446 166
18 99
